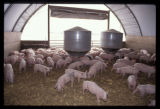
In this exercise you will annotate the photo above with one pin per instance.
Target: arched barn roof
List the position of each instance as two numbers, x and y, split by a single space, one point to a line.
17 16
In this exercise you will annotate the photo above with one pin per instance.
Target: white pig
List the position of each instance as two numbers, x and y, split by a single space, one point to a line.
131 82
106 56
41 68
144 58
39 61
99 58
62 80
50 62
127 70
75 65
118 65
95 89
77 74
145 68
30 61
13 59
145 89
22 65
9 74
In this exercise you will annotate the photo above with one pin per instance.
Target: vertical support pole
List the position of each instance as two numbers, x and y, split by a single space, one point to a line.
108 19
48 27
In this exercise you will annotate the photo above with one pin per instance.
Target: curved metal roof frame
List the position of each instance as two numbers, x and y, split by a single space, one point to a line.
123 13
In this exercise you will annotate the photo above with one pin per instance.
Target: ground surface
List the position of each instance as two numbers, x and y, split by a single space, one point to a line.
33 89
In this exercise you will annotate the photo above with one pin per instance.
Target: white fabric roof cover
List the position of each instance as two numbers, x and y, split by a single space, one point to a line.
17 15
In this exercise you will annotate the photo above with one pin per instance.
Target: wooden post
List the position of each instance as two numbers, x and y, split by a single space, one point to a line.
48 27
108 19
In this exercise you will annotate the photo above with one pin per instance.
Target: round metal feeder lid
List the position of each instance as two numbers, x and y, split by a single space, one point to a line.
112 31
77 28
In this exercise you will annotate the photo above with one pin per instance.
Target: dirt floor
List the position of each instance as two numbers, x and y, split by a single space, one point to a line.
31 88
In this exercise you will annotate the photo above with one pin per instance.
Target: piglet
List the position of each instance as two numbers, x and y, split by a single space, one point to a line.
13 59
50 62
145 68
77 74
145 89
131 82
95 89
64 79
39 61
76 65
99 58
41 68
9 74
30 61
22 65
106 56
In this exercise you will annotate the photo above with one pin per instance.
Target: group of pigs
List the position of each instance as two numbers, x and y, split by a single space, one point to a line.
44 60
126 64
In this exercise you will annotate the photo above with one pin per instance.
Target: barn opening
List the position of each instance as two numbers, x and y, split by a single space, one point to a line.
49 29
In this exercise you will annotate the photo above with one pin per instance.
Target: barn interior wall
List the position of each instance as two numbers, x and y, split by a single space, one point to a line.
11 41
144 42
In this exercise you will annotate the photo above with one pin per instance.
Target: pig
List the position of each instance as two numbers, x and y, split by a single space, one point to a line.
84 58
76 65
101 66
39 56
41 68
131 82
145 89
50 62
22 65
126 61
30 52
127 70
132 55
56 57
61 63
98 66
118 65
62 80
95 89
106 56
145 52
30 61
21 54
13 53
68 59
144 58
39 61
13 59
152 103
90 56
99 58
125 50
77 74
153 58
9 74
119 55
145 68
89 62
